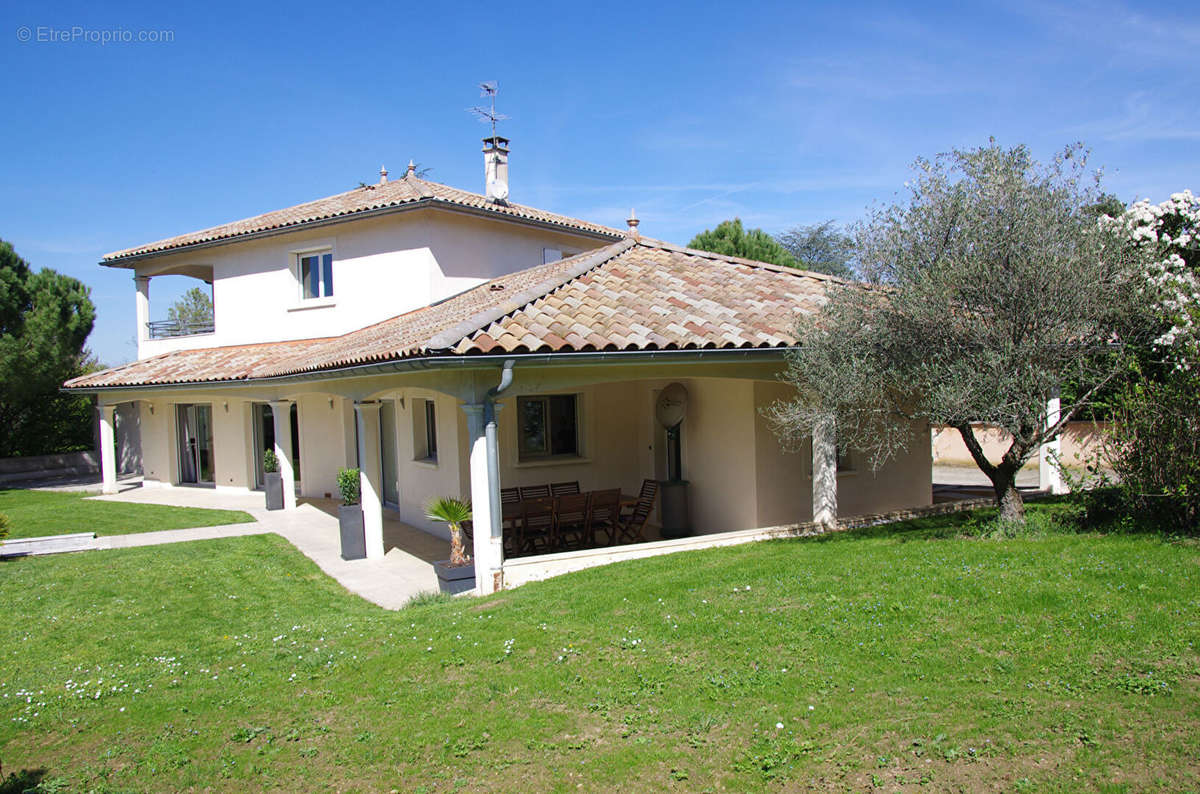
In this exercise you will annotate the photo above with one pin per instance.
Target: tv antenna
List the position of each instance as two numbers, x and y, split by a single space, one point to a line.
488 114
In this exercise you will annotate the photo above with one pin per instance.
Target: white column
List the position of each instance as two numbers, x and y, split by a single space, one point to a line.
488 550
108 449
281 414
143 307
1050 454
370 476
824 473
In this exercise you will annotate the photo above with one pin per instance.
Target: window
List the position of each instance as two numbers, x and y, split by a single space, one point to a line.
548 426
316 274
845 461
424 431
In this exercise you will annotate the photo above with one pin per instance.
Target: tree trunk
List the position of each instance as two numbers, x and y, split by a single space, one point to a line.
458 555
1008 498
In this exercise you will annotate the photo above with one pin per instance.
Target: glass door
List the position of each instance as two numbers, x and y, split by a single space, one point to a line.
264 439
194 432
387 443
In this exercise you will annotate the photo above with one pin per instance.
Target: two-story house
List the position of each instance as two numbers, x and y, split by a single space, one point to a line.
453 343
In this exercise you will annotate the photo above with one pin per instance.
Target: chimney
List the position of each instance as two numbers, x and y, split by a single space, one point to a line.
412 169
633 222
495 168
383 174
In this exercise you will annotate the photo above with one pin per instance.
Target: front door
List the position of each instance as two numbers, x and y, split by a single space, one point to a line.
194 431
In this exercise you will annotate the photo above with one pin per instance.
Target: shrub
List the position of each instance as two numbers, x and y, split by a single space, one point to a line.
348 486
1155 436
270 462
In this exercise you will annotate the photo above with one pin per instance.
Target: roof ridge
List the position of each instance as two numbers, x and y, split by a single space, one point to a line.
739 260
449 337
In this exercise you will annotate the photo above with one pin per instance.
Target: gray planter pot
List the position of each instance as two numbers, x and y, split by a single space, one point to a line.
273 485
354 538
674 508
448 574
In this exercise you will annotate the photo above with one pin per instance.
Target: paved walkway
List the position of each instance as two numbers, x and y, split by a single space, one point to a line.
405 571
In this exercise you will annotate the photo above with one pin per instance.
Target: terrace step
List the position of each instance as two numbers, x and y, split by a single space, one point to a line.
49 544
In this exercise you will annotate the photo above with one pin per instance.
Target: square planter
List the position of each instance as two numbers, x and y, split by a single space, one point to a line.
273 485
354 537
447 574
674 508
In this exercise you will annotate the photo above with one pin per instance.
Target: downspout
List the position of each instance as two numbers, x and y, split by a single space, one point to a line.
493 452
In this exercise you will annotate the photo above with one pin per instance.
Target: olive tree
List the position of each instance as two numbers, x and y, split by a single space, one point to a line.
986 288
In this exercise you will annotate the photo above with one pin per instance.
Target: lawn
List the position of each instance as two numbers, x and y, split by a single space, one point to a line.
908 660
37 513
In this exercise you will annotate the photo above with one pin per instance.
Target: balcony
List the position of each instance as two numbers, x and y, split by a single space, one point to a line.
169 329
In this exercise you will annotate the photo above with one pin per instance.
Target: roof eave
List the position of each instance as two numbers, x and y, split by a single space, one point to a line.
477 361
422 203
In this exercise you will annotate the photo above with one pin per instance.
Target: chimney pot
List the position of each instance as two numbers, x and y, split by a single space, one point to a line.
633 222
412 169
383 174
495 168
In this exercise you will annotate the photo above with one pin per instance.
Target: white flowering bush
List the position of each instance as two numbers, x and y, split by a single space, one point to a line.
1154 437
1169 233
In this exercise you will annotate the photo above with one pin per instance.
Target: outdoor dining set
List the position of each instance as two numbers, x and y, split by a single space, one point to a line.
541 519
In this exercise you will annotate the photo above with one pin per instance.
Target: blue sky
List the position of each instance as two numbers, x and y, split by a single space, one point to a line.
782 114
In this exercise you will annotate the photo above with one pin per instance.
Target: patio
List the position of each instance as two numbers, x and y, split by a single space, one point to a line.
405 570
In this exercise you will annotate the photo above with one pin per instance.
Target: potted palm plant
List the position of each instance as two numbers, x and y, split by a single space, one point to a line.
350 517
272 480
454 513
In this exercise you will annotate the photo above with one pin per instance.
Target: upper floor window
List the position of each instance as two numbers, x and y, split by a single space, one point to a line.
316 274
548 426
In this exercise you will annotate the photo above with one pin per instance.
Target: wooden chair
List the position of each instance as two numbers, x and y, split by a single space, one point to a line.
535 492
510 496
632 526
571 520
605 515
536 530
564 488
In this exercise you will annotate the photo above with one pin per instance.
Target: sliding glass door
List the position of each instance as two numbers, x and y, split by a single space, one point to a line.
194 432
264 439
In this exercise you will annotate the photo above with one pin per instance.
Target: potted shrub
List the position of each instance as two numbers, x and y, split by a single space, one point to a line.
350 517
454 513
272 480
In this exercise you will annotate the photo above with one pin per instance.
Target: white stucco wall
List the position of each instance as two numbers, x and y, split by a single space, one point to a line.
382 267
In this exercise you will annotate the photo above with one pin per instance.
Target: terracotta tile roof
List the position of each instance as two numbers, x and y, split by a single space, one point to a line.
404 193
632 295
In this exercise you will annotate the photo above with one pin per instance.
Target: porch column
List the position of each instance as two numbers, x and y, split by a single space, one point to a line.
1049 454
824 473
370 476
488 549
108 449
143 307
281 415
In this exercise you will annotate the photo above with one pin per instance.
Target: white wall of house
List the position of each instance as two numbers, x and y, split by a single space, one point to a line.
382 267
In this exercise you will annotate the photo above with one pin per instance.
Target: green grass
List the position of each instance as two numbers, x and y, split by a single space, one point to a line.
37 513
911 660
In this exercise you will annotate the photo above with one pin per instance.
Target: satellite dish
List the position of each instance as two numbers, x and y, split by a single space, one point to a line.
672 405
497 189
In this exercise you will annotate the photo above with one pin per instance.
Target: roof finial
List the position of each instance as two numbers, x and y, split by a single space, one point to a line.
383 174
412 169
633 222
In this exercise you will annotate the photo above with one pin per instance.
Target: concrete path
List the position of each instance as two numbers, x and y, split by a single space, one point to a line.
405 571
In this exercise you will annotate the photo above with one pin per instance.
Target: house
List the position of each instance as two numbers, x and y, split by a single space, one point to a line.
402 325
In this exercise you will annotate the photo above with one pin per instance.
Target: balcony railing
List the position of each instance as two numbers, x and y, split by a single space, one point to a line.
166 329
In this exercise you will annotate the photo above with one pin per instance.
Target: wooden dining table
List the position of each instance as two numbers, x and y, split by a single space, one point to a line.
511 512
514 510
